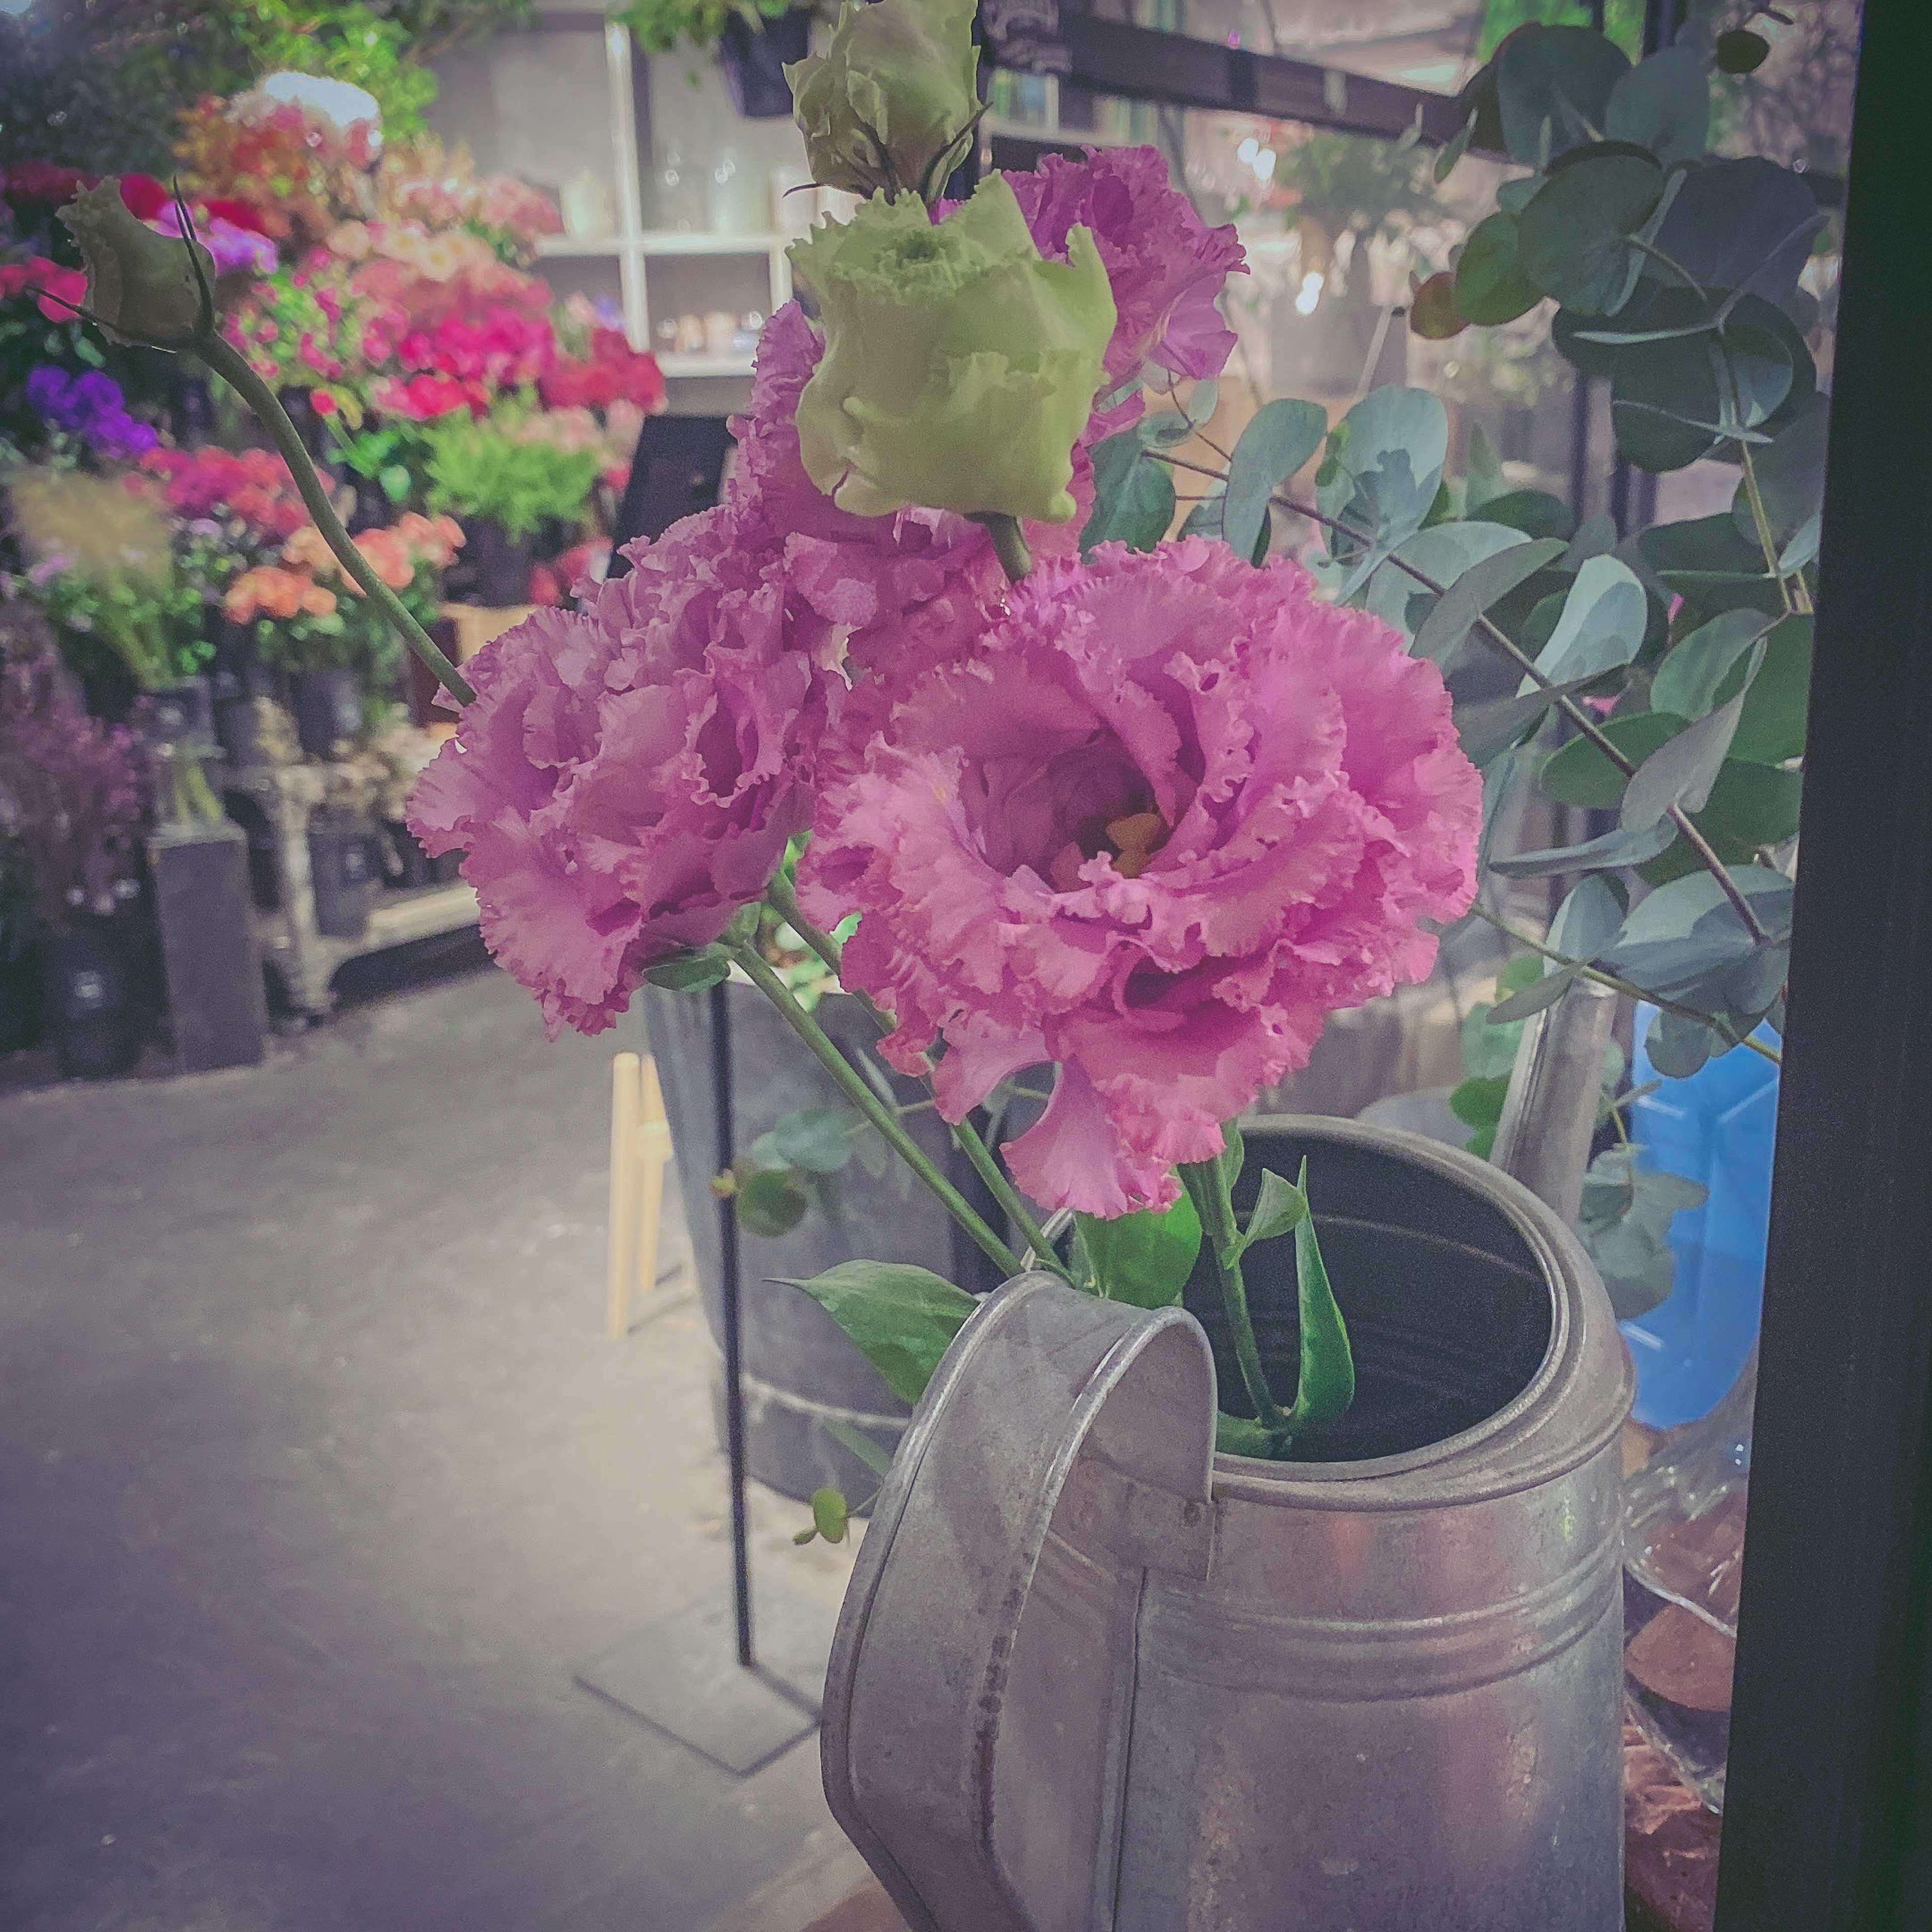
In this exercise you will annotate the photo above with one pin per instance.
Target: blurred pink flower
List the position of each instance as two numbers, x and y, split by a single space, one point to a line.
1173 813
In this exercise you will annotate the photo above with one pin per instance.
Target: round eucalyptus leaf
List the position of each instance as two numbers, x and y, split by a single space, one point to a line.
1490 287
1432 313
1573 240
1744 224
1553 87
769 1201
1740 51
1662 104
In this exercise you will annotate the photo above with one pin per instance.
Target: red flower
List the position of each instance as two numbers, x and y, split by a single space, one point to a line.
322 402
68 285
242 214
44 182
145 197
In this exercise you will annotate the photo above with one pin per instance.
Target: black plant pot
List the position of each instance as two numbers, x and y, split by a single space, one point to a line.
21 1007
180 713
373 509
495 567
343 868
754 61
406 863
328 708
92 1010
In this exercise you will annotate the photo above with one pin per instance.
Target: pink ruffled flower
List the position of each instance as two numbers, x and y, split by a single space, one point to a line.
1171 815
1165 264
627 777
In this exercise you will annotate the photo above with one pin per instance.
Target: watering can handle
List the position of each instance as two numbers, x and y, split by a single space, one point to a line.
1549 1113
1042 1406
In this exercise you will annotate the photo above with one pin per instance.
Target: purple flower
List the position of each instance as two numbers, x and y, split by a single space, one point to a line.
91 406
1173 813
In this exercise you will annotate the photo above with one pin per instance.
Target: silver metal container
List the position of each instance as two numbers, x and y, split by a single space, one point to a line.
1091 1677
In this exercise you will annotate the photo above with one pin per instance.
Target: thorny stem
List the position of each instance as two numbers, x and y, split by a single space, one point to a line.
1568 706
1629 988
229 363
782 897
885 1119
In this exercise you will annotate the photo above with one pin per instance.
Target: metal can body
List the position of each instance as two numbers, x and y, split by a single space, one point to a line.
1376 1693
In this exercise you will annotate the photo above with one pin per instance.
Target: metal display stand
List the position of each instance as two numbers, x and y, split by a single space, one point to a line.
734 1706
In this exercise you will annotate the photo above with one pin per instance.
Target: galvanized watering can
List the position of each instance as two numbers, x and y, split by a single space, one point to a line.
1091 1677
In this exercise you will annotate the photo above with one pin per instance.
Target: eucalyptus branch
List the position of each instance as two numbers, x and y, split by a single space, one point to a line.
1630 990
852 1084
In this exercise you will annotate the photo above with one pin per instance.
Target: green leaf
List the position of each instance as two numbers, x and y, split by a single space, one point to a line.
1625 1225
1557 79
861 1446
1204 519
1545 992
1772 727
1478 1101
1602 627
1234 1151
1280 438
828 1514
690 972
1491 286
1791 481
1681 771
1143 1257
817 1138
1442 633
902 1319
1534 512
1689 679
1432 313
1133 499
1442 552
1743 224
1588 919
1393 446
1170 427
769 1201
1456 147
1663 104
395 482
1619 847
1280 1208
1242 1435
1573 240
1328 1382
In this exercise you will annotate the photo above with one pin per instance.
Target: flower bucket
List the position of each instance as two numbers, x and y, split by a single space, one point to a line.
344 869
493 568
89 1000
1090 1673
800 1371
328 708
753 61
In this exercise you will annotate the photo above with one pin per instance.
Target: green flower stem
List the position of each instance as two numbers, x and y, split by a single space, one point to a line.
782 897
855 1088
228 362
1009 543
1629 988
1207 1185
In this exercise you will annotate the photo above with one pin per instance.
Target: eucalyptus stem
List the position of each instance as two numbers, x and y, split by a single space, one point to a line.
1629 988
228 362
1207 1185
884 1118
782 897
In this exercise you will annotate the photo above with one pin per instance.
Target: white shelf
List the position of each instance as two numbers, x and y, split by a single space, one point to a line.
671 241
677 366
571 248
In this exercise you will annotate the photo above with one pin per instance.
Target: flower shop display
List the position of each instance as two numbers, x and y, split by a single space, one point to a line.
71 806
1123 811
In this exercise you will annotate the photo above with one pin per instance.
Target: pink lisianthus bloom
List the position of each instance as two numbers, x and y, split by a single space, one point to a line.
1164 264
1172 814
628 777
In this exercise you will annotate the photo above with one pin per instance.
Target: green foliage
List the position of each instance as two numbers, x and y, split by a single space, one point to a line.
661 24
1278 440
1133 496
1143 1258
480 467
1625 1225
901 1318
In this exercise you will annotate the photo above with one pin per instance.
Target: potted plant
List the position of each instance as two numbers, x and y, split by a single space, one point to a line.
297 628
756 41
1129 813
71 806
503 479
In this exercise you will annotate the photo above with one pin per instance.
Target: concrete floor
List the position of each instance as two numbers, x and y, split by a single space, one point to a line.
318 1476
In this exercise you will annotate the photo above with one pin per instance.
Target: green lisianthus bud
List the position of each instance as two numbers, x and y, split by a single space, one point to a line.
891 103
142 285
959 364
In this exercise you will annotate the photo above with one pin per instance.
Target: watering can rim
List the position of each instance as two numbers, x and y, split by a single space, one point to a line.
1557 1256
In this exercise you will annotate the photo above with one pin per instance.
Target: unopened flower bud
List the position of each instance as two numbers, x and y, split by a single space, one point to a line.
141 286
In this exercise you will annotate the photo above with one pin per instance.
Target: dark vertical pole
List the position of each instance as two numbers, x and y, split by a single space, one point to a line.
1830 1781
734 1313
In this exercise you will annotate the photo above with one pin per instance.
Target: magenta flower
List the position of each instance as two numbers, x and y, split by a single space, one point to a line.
1172 814
627 778
1165 264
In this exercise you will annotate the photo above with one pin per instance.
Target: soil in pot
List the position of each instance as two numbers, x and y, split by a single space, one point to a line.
89 1000
753 61
328 708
